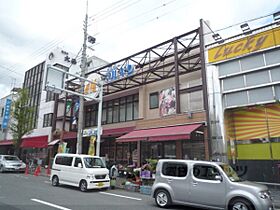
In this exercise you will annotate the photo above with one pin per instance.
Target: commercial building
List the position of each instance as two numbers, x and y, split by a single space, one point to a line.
244 84
154 104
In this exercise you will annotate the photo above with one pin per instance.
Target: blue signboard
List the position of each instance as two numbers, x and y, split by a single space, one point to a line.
116 72
7 113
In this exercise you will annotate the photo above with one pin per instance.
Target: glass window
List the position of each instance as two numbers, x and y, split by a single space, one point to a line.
47 120
129 110
207 172
233 83
252 62
77 161
257 78
91 162
67 161
275 74
277 92
174 169
260 95
229 68
196 100
135 110
238 98
272 57
169 150
122 112
153 100
116 111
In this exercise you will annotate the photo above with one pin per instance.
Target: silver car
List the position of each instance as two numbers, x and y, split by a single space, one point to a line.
210 185
11 163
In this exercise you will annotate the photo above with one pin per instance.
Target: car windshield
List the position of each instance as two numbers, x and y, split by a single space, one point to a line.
232 175
11 158
91 162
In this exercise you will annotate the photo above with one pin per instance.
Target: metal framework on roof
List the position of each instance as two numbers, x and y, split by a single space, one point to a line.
172 58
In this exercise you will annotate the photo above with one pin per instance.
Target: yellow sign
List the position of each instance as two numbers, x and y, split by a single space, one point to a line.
245 45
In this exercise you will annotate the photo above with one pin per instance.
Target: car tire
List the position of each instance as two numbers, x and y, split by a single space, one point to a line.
55 181
241 204
83 186
162 198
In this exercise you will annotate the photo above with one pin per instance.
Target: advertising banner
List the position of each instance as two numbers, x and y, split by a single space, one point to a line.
167 102
7 114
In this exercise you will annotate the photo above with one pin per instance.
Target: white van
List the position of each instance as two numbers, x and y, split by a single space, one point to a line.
83 171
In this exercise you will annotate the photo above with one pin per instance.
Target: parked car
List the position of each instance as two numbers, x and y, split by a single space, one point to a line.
11 163
210 185
83 171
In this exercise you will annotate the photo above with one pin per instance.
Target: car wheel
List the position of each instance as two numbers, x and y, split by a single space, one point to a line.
55 181
162 198
83 186
241 204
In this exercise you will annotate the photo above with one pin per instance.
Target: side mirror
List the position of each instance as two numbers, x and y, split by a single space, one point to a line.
218 178
80 165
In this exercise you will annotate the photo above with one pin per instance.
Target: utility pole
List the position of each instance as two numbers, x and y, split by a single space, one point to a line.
82 82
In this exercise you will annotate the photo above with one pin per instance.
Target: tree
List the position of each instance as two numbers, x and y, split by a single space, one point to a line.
22 120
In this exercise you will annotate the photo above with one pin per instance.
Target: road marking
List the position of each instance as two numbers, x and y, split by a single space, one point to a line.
49 204
122 196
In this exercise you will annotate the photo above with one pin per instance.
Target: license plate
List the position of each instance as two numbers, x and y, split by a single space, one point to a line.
100 184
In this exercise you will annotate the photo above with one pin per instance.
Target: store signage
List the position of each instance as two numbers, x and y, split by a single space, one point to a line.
90 132
245 45
118 72
7 114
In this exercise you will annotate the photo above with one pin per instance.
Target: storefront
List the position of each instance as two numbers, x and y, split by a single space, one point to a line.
245 78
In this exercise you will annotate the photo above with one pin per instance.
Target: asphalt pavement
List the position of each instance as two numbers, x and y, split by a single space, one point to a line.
21 192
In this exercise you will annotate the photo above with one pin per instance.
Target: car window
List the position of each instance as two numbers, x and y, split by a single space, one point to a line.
91 162
207 172
10 158
67 161
175 169
77 161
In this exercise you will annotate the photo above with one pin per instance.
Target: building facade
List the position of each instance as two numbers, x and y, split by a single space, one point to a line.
244 78
154 104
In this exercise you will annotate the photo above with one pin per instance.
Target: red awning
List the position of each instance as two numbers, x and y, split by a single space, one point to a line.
6 142
160 134
117 131
54 142
35 142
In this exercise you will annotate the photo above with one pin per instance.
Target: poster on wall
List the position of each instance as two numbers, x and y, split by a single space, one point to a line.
167 102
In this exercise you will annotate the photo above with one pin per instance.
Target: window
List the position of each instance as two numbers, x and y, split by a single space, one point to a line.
77 161
207 172
50 96
2 112
47 120
174 169
66 161
153 100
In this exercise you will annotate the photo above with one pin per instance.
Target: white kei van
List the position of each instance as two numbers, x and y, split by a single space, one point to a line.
83 171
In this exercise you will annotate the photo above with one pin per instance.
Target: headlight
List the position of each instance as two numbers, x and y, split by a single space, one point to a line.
264 194
23 165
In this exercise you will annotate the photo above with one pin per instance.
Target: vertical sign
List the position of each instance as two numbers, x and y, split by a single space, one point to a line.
7 113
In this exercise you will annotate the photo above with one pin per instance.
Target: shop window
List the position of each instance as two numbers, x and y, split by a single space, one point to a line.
257 78
169 150
272 57
196 100
116 111
47 120
233 83
229 68
153 100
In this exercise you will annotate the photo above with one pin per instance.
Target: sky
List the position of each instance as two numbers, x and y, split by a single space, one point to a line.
30 29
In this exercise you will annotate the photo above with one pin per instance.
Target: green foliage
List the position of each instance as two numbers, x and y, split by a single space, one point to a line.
153 164
22 119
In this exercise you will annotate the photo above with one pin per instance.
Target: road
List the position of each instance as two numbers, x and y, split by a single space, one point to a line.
20 192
